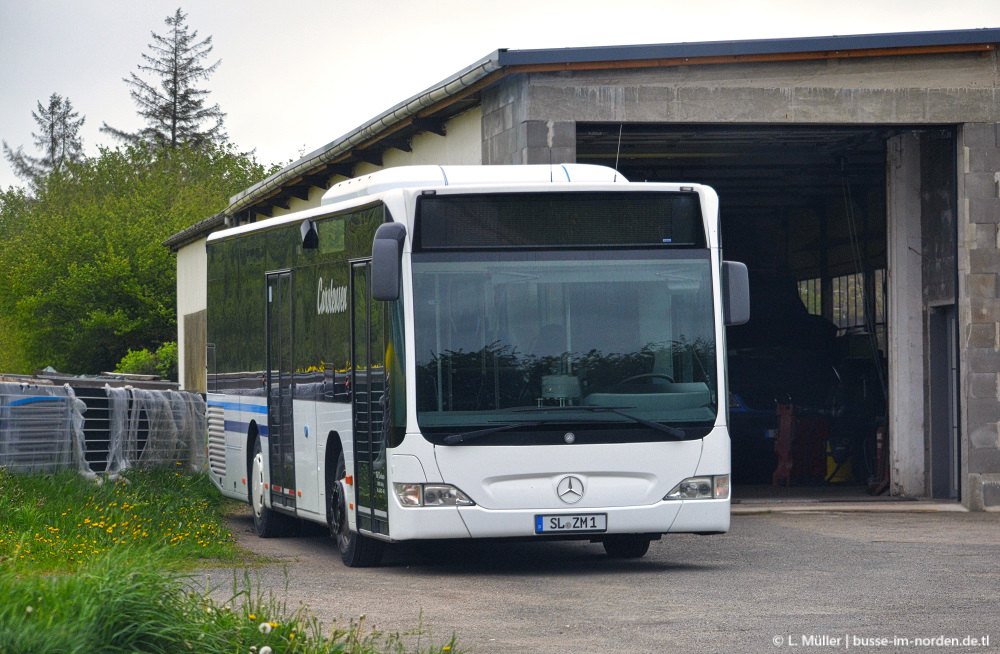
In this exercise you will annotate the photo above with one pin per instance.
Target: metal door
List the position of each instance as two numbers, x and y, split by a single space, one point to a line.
368 384
280 389
943 396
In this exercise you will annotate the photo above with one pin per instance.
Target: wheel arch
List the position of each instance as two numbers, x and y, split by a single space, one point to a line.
252 433
334 446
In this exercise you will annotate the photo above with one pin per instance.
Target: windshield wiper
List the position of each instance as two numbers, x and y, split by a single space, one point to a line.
453 439
676 432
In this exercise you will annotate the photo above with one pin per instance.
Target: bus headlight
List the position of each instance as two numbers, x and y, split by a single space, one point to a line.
431 495
701 488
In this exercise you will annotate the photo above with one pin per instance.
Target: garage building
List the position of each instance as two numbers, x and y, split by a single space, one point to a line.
859 179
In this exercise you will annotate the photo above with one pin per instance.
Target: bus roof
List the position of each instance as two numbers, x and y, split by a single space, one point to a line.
434 176
354 191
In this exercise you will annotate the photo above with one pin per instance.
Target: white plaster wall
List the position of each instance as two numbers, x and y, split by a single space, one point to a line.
315 197
463 145
192 291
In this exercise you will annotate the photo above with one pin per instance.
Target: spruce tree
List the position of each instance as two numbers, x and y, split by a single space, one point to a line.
58 139
174 110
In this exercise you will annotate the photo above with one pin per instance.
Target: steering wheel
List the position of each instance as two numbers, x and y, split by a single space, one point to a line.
648 375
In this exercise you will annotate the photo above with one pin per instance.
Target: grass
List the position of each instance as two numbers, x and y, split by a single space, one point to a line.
56 522
100 569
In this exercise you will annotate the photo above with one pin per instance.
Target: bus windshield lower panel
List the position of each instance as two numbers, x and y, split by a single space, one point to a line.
546 341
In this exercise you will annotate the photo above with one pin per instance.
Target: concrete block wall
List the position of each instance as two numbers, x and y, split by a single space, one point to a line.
509 137
979 312
503 118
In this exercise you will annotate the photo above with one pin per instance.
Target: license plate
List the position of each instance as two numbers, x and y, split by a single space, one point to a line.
566 524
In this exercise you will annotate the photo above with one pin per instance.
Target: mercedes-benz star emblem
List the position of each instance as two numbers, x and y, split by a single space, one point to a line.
570 489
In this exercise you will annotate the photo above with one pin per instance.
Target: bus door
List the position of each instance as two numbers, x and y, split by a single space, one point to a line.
368 384
280 389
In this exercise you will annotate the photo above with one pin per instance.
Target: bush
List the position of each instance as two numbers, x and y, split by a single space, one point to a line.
166 361
144 362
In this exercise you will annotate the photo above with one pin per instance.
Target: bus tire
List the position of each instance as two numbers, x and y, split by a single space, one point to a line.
626 546
268 523
356 550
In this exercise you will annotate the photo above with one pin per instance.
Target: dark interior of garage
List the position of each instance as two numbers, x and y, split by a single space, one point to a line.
805 208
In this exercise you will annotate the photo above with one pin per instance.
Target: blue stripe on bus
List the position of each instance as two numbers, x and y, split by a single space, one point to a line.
239 406
244 427
30 400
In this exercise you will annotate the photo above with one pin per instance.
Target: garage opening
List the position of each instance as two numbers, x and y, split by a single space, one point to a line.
805 208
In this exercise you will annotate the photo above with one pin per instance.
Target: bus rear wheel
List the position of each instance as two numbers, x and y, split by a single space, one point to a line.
356 550
267 522
626 546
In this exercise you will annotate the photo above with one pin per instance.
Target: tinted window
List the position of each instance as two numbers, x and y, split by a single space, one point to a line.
519 220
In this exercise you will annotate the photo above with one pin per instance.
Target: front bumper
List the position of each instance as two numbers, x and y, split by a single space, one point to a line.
685 516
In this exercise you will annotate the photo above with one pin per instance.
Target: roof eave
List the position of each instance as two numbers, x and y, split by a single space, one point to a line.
341 147
195 232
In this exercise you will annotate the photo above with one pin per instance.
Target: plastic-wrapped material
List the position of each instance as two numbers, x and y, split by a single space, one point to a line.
119 400
41 428
152 428
76 428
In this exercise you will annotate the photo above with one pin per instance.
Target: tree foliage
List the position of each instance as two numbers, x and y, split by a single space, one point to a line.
86 275
58 139
174 110
85 278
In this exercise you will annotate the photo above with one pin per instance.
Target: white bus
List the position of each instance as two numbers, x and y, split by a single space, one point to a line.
477 352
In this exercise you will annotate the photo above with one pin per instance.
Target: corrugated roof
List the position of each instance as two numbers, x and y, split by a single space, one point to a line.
749 47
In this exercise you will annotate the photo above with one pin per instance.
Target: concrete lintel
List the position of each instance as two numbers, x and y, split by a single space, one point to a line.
781 105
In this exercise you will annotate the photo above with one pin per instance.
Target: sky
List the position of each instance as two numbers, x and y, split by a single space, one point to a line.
298 74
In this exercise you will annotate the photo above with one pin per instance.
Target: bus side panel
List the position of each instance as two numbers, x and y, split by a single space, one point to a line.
315 421
239 413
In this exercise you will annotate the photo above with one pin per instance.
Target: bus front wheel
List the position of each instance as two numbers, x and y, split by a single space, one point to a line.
357 550
626 546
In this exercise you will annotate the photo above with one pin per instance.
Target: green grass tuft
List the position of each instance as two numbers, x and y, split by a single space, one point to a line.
97 569
56 522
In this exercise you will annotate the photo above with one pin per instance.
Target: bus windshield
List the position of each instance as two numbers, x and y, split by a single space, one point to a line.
510 337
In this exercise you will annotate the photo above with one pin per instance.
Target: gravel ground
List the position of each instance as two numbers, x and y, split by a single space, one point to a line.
820 580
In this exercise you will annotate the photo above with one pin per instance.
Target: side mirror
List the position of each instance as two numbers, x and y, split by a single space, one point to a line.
387 256
310 238
735 293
